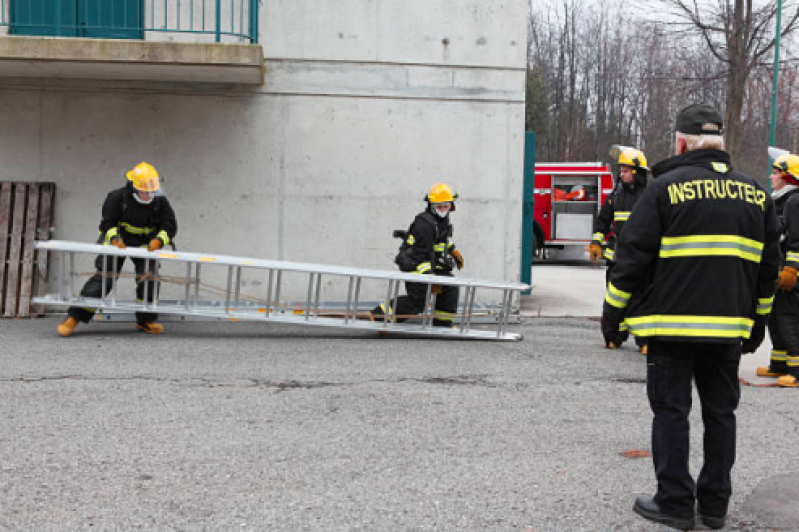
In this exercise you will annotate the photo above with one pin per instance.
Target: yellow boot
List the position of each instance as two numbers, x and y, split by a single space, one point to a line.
788 381
150 327
67 327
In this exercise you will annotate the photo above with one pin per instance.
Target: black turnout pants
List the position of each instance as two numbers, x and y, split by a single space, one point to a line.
671 366
783 327
413 303
94 286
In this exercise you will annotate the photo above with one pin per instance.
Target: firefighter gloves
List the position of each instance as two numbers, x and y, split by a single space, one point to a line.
459 259
758 333
611 320
787 279
116 241
155 244
595 252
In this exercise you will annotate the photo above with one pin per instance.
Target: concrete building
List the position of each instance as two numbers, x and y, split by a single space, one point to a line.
309 140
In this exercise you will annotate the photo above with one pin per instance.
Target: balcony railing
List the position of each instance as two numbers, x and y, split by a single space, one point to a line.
167 20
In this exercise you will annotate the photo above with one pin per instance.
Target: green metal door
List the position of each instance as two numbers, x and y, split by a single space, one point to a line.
527 208
43 17
110 19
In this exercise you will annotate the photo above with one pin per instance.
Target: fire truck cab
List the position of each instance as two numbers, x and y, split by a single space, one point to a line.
567 198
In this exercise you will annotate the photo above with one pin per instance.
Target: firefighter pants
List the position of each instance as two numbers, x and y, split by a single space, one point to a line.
671 366
94 286
413 303
783 327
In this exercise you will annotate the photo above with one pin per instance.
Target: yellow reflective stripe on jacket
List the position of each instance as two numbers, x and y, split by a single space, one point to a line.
616 297
423 267
163 236
793 362
779 356
111 233
411 240
444 316
792 259
711 245
764 305
132 229
599 237
440 248
691 326
621 216
450 243
623 327
609 254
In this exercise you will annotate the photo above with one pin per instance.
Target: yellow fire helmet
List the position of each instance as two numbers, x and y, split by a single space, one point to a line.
144 177
627 156
784 161
441 193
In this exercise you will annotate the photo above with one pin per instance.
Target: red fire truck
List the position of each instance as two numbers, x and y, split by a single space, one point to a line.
567 199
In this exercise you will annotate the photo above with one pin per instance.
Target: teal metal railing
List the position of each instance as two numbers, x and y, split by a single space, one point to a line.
185 20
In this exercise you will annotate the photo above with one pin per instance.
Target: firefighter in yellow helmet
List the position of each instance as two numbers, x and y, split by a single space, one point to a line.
428 249
783 322
633 177
136 215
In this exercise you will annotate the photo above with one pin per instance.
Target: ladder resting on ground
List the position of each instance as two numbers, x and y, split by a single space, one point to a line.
270 278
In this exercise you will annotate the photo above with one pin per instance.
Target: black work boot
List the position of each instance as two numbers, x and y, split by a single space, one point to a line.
714 522
647 508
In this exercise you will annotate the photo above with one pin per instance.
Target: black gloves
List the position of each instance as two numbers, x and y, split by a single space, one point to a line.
611 320
756 337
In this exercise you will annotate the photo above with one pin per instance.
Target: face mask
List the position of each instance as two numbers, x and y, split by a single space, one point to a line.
143 202
442 213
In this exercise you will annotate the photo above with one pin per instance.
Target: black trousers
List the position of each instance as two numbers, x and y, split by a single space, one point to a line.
94 286
671 367
413 303
783 327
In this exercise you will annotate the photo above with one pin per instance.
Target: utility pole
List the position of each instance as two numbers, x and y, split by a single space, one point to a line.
775 82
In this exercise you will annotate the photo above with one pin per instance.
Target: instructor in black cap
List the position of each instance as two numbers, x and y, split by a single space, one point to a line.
701 247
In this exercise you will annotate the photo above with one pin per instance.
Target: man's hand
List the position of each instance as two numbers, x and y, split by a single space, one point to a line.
751 344
116 241
595 252
155 244
787 279
435 289
611 320
458 259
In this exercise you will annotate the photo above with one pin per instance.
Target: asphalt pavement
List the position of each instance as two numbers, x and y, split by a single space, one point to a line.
237 426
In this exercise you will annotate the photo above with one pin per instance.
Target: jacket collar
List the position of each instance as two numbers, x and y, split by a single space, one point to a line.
713 160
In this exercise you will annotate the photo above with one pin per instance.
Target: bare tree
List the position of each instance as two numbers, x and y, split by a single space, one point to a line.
739 35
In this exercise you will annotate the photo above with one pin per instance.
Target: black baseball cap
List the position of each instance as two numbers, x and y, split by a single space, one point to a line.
692 118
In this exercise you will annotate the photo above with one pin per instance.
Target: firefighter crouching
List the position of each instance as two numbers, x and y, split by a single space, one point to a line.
136 215
783 324
633 177
428 250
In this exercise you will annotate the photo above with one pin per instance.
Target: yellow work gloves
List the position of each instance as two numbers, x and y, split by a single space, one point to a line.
116 241
787 279
155 244
458 259
595 252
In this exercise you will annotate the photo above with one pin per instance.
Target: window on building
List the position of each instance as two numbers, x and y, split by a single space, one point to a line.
101 19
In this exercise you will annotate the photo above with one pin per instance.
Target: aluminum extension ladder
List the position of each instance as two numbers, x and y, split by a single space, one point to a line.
237 306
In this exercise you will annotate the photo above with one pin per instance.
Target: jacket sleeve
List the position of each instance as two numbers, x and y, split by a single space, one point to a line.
770 259
637 249
424 236
792 232
111 214
167 223
603 222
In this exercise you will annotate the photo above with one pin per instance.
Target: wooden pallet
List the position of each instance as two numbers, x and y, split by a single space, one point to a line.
26 215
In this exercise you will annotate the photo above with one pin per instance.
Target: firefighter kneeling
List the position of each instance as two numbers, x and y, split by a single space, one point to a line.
136 215
428 249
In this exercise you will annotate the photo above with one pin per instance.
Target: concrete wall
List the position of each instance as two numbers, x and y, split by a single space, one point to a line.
366 104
